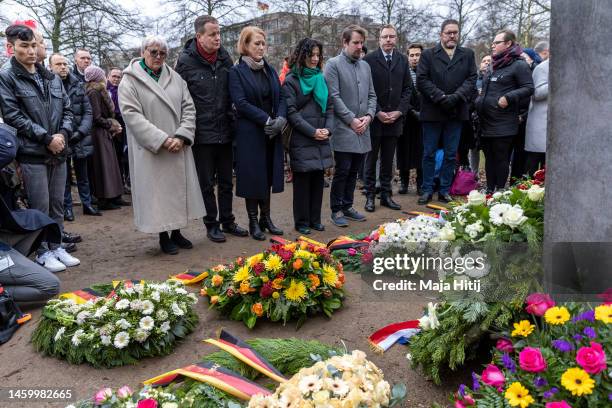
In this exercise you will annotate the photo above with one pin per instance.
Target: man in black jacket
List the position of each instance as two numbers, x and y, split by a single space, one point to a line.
80 142
204 64
34 102
391 77
446 78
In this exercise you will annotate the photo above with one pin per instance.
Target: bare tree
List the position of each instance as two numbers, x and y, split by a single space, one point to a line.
387 10
70 24
309 17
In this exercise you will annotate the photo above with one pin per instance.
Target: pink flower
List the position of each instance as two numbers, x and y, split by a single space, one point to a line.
592 359
558 404
147 403
102 395
493 376
538 303
504 345
466 401
531 360
367 258
352 251
124 392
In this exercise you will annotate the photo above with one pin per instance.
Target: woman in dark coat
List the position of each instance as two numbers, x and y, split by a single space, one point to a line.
255 91
107 184
310 113
500 104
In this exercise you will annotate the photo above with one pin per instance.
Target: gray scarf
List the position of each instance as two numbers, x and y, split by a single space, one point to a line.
254 65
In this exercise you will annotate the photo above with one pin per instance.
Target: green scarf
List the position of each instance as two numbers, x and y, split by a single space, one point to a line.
152 74
312 80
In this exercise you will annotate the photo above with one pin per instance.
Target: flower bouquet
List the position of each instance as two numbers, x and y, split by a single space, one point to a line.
285 282
553 358
349 380
121 327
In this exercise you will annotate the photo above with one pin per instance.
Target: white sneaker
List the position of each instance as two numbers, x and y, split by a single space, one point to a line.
50 262
65 258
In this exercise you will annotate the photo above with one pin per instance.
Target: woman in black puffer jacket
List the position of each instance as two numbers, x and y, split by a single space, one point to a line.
499 106
310 114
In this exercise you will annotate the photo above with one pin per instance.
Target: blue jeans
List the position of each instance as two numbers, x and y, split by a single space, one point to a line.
80 169
448 133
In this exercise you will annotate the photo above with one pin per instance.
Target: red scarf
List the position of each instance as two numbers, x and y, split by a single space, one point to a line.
507 56
211 58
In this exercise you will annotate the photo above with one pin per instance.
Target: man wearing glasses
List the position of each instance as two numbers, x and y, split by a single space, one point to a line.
446 79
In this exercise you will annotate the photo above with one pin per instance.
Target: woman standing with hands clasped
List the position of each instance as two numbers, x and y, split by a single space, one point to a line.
310 113
159 115
255 91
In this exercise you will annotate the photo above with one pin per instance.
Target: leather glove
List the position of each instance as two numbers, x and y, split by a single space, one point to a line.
275 126
450 102
76 138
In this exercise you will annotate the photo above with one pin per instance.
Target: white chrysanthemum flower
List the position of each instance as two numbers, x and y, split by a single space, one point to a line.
496 213
180 291
165 327
129 291
105 340
122 304
147 307
136 305
147 323
76 337
59 333
497 195
193 297
138 288
124 324
310 383
161 314
100 312
81 317
155 296
177 310
141 335
122 339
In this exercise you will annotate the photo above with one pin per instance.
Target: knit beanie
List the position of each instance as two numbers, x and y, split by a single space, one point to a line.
94 74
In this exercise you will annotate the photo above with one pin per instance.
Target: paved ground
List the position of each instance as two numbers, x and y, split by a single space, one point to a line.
113 249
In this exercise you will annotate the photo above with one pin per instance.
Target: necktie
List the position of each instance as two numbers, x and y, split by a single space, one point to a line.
388 57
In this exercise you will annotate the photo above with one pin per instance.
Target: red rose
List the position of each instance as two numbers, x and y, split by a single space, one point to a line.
266 290
531 360
540 175
367 257
147 403
538 303
259 268
592 359
285 255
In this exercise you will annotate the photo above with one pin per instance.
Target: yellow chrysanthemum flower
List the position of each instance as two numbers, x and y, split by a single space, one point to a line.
577 381
604 313
522 328
518 396
251 261
241 274
274 263
300 253
296 291
557 315
330 276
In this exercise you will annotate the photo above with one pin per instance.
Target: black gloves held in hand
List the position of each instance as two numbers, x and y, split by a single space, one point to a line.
450 102
275 126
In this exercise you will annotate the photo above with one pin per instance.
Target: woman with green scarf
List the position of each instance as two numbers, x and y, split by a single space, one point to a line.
310 114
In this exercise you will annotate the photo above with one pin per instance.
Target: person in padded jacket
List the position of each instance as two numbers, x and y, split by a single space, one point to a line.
505 86
310 113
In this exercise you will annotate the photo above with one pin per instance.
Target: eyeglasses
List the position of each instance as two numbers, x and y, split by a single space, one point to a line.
498 42
451 33
158 53
391 36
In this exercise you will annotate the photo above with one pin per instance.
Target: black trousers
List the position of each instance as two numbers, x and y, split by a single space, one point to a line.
342 191
534 162
307 197
497 160
214 161
519 155
385 145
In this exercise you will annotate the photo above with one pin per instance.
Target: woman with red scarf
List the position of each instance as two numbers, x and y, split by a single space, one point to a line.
508 82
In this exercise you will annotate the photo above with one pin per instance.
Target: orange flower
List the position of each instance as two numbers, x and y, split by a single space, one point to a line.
214 300
203 292
340 268
257 308
290 247
217 280
246 288
298 263
277 283
239 261
303 245
314 279
341 277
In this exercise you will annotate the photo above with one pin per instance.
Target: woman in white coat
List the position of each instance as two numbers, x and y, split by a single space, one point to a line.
535 136
159 115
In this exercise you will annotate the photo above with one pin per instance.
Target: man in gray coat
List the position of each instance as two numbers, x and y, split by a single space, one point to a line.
354 109
535 138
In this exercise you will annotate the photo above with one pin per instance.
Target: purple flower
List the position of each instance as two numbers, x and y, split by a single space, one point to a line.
562 345
539 382
577 337
590 332
462 390
588 315
610 396
551 392
508 363
475 383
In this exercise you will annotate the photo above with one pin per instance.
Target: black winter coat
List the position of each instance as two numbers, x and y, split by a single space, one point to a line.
36 116
80 142
438 75
209 89
513 81
305 116
392 86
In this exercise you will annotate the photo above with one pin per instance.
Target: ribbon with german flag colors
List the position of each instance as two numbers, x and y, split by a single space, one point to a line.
437 207
344 242
247 355
189 277
417 213
85 295
215 375
312 242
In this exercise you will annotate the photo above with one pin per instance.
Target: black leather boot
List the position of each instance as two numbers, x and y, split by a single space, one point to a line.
265 222
387 201
254 229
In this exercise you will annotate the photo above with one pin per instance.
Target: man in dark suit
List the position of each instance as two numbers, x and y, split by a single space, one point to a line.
446 78
391 77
